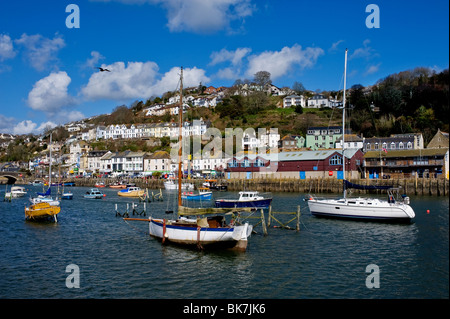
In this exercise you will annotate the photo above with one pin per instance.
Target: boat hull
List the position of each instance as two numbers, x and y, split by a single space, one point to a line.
229 203
131 194
197 197
41 211
372 209
200 237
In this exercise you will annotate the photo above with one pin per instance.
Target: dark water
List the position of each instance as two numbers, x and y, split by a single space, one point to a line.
326 259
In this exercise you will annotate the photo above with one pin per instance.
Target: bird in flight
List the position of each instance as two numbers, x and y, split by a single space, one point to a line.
103 70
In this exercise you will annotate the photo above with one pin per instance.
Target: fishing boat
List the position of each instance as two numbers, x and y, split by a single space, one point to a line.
99 185
171 185
16 192
94 193
41 211
195 227
133 191
393 209
204 194
251 199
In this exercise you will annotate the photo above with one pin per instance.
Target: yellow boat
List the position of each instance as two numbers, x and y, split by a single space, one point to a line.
131 192
41 211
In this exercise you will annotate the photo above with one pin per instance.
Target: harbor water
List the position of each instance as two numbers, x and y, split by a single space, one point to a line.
326 259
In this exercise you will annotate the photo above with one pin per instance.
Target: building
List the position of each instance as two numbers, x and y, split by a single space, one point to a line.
296 164
351 141
440 140
318 101
324 137
294 100
394 142
427 163
291 142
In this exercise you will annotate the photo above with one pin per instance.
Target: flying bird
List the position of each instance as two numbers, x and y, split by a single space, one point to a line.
103 70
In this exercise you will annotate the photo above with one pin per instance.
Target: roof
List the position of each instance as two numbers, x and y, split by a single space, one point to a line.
407 153
300 155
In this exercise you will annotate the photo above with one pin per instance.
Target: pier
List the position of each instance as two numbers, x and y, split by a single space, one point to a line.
409 186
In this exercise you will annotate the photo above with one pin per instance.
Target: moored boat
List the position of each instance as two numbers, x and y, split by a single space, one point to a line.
94 193
133 191
203 194
16 192
251 199
41 211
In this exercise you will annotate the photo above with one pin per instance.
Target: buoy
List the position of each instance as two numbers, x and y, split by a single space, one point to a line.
428 211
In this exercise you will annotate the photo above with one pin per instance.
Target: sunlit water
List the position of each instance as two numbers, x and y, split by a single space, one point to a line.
117 259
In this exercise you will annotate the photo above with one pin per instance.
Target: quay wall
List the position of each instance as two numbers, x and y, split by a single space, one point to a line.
419 186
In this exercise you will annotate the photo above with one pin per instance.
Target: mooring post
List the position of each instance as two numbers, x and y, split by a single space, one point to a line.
298 218
263 222
270 216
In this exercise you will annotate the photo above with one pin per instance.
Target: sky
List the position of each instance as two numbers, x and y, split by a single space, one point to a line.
49 50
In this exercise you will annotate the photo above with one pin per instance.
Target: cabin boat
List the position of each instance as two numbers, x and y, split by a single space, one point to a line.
214 185
246 199
94 193
171 185
16 192
132 191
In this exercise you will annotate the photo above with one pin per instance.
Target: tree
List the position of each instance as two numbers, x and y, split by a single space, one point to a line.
262 78
298 87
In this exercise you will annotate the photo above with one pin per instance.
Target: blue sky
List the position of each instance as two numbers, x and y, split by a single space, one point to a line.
48 75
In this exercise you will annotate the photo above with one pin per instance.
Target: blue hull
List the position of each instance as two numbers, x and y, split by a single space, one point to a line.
260 203
197 197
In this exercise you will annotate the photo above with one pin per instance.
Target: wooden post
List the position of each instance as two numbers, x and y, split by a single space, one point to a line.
270 216
298 218
263 222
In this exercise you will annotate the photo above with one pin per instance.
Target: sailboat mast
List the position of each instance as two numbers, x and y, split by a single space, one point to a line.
50 163
180 137
343 122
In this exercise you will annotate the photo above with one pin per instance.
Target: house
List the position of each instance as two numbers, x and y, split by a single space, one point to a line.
394 142
290 142
440 140
159 161
351 141
128 162
318 101
296 164
94 164
405 163
322 137
210 90
294 100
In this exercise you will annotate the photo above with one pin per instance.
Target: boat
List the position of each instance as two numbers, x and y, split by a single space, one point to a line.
251 199
16 192
36 183
214 185
68 184
171 185
393 209
204 194
67 195
118 185
94 193
132 191
46 197
191 228
100 185
40 211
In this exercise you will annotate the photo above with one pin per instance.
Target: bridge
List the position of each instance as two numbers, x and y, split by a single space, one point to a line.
11 177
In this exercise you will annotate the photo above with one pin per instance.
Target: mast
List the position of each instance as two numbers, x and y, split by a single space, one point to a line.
50 164
180 137
343 122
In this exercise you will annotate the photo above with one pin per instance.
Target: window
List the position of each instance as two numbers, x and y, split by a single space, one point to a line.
409 145
368 146
392 146
401 145
336 160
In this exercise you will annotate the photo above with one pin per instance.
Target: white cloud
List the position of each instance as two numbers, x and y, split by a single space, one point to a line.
6 48
137 80
200 16
235 57
334 46
41 51
279 63
27 127
372 69
50 94
93 61
366 51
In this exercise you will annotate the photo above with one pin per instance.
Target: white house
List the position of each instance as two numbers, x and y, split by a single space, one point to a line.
318 101
294 100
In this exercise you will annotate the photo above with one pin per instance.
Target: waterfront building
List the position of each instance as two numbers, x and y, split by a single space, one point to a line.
323 137
410 141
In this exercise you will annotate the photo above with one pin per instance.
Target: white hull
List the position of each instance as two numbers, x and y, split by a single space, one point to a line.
49 200
188 233
360 208
170 185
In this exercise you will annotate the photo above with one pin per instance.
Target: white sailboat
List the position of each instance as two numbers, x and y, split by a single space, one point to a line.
46 197
394 209
198 231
